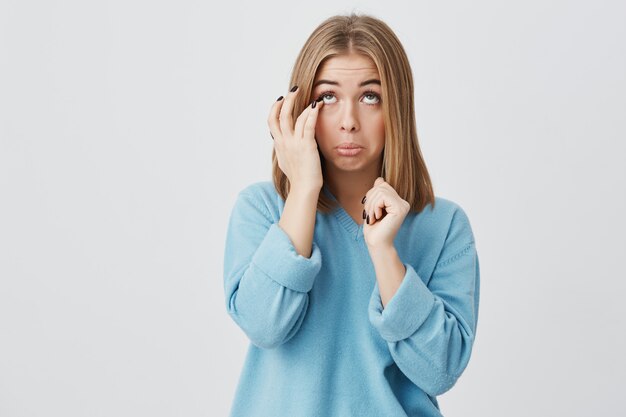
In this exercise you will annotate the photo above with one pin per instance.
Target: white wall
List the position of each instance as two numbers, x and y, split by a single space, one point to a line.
128 127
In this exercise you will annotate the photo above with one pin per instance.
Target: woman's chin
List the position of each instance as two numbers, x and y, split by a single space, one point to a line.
347 164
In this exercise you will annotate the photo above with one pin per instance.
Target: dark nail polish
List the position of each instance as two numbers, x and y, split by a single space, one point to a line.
313 104
294 88
368 219
363 214
279 98
363 201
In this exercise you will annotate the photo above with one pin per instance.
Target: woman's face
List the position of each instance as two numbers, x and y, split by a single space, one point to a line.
352 112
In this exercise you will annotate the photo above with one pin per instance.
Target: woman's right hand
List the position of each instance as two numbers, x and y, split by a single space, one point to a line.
295 146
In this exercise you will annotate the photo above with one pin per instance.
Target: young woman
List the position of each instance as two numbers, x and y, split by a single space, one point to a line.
357 287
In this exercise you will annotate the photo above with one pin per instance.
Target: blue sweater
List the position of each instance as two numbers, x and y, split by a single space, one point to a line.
321 342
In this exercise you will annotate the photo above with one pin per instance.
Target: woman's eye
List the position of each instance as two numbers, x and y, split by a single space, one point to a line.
323 97
374 97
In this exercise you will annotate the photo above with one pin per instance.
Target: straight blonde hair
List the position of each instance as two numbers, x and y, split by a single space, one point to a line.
403 166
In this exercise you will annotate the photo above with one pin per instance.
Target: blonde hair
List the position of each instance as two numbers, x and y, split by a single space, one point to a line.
403 166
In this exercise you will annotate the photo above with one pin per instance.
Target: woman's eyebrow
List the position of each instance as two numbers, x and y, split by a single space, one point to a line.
372 81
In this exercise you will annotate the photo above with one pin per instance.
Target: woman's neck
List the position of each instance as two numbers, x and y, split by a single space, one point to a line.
350 187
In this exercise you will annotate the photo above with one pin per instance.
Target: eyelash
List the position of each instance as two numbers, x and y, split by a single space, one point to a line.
366 93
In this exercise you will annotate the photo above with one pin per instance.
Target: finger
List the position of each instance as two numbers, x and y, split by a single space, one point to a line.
379 181
272 120
377 202
308 131
375 209
366 204
372 212
370 193
378 209
369 204
300 121
285 119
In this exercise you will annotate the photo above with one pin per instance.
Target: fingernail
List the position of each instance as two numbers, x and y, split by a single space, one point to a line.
363 213
313 103
368 219
279 98
294 88
272 135
363 201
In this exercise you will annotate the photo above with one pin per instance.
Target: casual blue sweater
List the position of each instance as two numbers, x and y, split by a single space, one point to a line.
321 342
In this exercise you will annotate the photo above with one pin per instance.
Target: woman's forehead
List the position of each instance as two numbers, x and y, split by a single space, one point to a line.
349 62
347 69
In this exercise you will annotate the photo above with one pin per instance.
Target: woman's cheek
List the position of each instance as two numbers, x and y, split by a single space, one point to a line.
320 129
318 133
380 124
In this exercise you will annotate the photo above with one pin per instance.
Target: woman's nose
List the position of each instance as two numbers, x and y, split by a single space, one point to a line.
349 117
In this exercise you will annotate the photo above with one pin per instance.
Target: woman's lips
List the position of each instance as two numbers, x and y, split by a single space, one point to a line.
348 149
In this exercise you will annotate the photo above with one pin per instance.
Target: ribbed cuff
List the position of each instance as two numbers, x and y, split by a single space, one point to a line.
405 312
277 258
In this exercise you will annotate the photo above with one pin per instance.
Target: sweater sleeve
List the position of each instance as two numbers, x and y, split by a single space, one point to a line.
430 330
266 282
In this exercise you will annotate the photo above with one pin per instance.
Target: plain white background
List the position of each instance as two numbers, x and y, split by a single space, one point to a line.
128 127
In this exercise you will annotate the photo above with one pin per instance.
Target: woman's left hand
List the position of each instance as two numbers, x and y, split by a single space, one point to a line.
386 212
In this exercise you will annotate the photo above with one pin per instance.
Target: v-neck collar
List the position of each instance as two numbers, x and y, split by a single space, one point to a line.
354 229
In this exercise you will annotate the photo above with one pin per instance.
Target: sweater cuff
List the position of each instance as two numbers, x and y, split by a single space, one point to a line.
405 312
277 258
